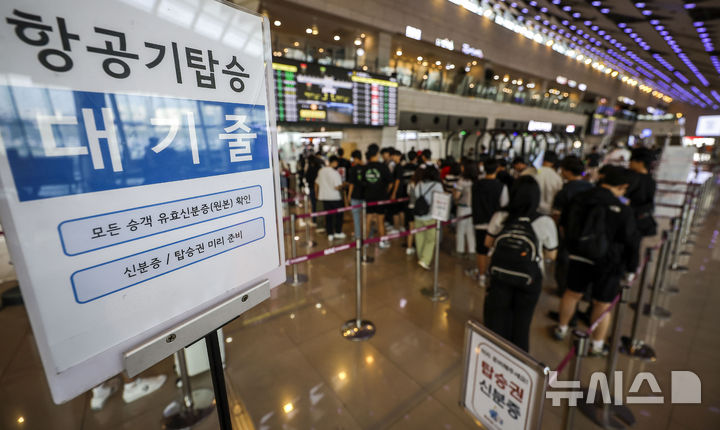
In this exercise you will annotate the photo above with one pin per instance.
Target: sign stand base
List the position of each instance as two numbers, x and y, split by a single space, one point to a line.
203 325
351 331
175 418
435 295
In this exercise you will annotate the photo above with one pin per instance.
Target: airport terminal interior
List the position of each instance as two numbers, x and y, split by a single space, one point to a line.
409 214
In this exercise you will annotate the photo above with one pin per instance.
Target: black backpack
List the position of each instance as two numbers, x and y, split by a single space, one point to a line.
516 255
422 207
586 231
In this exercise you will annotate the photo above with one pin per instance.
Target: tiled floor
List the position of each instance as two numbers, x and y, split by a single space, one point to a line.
288 351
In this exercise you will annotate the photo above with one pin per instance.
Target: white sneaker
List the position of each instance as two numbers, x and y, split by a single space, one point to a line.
392 230
340 235
330 237
482 281
410 251
141 387
384 244
424 265
100 394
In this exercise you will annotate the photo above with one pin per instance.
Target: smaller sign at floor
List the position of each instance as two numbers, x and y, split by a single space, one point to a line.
503 387
441 204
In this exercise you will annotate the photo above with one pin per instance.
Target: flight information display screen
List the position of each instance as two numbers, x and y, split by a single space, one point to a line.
307 92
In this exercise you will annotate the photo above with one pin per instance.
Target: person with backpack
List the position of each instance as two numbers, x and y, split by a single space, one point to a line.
462 193
519 238
641 191
427 184
489 194
602 242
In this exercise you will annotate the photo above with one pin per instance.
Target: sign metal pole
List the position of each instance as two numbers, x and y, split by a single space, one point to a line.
218 379
436 294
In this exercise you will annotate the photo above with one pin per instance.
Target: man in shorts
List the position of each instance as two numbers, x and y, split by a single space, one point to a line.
377 182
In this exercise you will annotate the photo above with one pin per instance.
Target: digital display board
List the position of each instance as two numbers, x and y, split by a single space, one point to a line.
708 125
307 92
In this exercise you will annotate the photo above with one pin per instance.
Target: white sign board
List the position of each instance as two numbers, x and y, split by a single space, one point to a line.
539 126
672 174
708 125
413 32
441 204
138 165
503 387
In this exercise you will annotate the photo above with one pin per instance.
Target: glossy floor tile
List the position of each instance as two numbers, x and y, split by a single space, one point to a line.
288 367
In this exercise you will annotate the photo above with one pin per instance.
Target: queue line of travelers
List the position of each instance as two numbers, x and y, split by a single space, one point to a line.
522 218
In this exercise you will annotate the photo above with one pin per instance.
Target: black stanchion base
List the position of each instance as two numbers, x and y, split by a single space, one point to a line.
368 259
11 296
439 295
177 417
351 331
657 312
640 350
618 418
301 279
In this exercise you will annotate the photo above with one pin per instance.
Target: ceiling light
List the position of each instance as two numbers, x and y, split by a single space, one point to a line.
288 407
308 30
277 23
336 38
360 52
604 10
362 35
398 52
419 58
690 6
357 42
438 62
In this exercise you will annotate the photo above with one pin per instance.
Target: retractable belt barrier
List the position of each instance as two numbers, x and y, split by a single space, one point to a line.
346 208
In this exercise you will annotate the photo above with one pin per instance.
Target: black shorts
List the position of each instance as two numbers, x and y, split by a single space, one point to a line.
480 247
604 285
377 209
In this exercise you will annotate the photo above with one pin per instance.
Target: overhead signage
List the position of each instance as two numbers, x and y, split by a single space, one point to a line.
539 126
445 43
503 387
474 52
138 169
441 204
413 32
327 94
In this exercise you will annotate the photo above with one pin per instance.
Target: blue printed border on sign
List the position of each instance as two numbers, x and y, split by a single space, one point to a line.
62 240
61 142
72 277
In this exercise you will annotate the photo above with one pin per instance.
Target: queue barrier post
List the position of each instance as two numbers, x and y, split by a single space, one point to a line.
364 234
652 309
631 345
580 342
435 293
309 243
687 229
607 414
297 278
358 329
195 404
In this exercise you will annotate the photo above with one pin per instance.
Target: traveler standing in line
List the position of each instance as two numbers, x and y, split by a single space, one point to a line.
521 167
328 188
343 164
407 184
502 173
571 169
602 240
354 195
426 158
462 192
549 181
641 191
377 182
427 184
519 237
592 160
314 164
489 194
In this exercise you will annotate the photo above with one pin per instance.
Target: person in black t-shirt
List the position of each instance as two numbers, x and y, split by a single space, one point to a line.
377 182
343 164
641 192
355 192
502 173
488 196
600 274
571 169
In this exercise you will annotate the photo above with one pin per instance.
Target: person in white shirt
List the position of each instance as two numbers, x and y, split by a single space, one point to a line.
550 182
327 187
428 183
619 156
